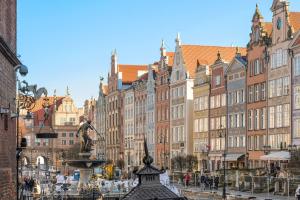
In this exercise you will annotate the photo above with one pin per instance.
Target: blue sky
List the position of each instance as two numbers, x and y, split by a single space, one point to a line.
69 42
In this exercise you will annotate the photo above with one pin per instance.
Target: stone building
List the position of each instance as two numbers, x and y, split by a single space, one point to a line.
100 121
129 128
284 25
8 60
140 101
256 80
65 123
119 78
218 110
236 90
201 93
295 56
162 104
150 111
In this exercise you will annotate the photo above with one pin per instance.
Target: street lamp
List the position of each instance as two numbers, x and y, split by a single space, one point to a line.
222 134
267 149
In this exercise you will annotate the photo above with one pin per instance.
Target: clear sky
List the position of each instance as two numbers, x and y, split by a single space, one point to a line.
69 42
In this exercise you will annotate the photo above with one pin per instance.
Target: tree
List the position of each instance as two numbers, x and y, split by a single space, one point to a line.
191 162
179 163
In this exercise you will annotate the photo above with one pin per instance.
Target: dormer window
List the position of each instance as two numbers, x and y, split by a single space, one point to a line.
177 75
279 23
218 80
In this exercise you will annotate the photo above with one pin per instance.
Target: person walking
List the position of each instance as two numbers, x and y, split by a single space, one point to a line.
216 182
297 193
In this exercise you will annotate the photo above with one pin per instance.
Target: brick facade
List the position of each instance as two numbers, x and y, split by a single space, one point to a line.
7 95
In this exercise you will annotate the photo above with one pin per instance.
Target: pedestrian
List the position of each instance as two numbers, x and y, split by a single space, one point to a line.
187 179
216 182
297 193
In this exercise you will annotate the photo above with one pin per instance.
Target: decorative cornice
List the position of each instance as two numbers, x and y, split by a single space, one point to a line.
8 53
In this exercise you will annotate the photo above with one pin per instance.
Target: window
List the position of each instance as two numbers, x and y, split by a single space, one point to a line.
279 116
263 91
212 101
286 84
256 67
241 94
250 99
271 117
297 65
71 142
71 134
212 123
223 103
279 87
242 119
286 114
218 80
177 75
217 101
63 142
231 125
223 122
256 119
263 118
229 98
297 128
271 88
297 97
196 125
63 134
256 88
250 119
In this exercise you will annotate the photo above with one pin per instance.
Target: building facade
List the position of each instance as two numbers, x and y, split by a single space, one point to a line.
150 111
8 60
162 131
279 78
236 90
295 54
100 121
201 137
129 128
181 96
218 110
119 78
140 101
256 80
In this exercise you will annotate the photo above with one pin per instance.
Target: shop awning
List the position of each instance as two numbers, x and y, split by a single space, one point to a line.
279 155
233 157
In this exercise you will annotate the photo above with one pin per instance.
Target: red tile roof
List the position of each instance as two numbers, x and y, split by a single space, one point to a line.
130 73
170 58
295 20
268 27
198 54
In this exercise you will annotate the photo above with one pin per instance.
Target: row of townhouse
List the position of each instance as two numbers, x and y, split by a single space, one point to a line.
203 99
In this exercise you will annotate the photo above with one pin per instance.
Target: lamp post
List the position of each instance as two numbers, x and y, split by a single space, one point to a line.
222 134
267 149
23 70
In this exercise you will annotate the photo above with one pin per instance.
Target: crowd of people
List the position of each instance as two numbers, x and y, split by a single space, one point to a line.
206 182
28 183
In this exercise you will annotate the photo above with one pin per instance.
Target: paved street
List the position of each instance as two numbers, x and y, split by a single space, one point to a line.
208 194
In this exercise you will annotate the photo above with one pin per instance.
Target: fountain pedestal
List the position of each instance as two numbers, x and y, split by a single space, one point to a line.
85 166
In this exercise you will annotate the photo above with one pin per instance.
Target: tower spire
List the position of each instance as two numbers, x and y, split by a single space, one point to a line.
178 39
